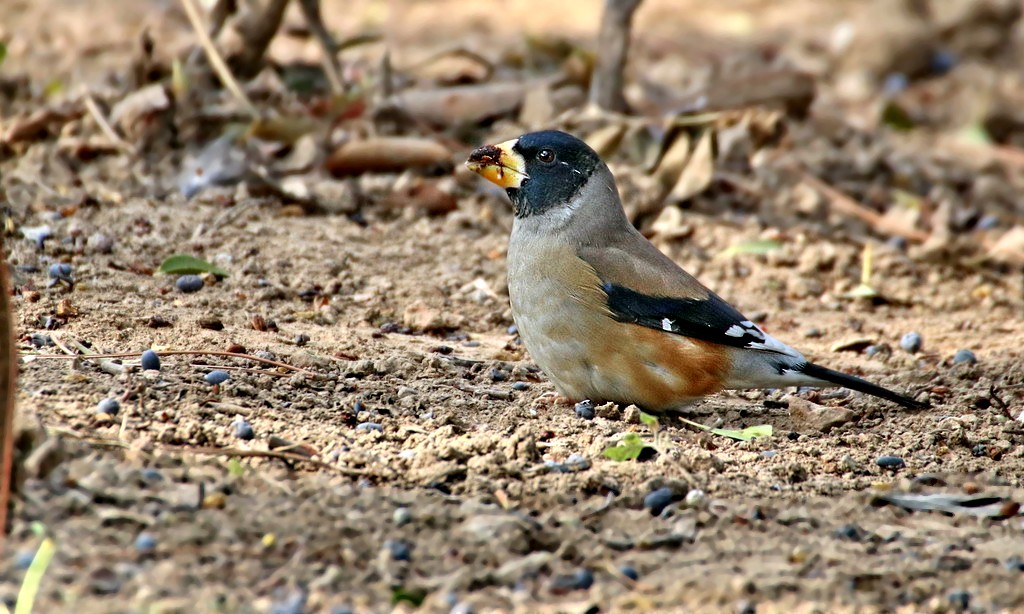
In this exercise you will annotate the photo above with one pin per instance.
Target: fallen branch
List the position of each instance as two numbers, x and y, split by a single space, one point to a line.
842 203
612 49
8 380
104 125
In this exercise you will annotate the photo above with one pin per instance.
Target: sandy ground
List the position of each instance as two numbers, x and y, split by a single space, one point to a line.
441 468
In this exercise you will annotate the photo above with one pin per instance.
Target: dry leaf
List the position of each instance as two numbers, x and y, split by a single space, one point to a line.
698 173
386 154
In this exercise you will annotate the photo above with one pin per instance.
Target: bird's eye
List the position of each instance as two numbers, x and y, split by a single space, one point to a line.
546 156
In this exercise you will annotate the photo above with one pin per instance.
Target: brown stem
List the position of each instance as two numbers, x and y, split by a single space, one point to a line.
612 49
8 378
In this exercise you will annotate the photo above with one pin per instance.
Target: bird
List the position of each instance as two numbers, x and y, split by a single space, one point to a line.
604 313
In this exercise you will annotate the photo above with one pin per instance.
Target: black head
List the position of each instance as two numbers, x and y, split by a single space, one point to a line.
539 170
557 166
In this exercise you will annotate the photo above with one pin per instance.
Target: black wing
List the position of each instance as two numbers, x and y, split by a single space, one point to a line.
711 319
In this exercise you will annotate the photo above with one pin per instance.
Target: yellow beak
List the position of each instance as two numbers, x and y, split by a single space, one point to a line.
499 164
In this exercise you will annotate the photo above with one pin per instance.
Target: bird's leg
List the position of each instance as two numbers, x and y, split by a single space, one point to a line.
552 399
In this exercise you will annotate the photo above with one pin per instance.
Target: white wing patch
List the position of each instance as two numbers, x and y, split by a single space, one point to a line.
666 325
760 340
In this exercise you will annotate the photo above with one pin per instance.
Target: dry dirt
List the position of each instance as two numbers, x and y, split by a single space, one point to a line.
441 466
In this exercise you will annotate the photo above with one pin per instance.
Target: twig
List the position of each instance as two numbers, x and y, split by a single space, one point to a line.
216 61
311 11
104 125
8 381
848 206
266 361
234 368
209 451
612 49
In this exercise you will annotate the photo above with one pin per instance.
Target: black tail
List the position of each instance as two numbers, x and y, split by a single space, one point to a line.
856 383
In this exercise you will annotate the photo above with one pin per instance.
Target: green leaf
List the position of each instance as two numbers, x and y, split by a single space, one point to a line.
756 247
38 529
975 134
414 597
649 420
235 467
751 432
34 577
183 264
628 449
3 52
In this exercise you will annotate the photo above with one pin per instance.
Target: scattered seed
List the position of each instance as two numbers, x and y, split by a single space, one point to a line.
657 500
792 435
964 357
630 572
369 426
23 559
520 386
108 406
217 377
189 283
497 375
295 603
150 361
145 542
513 330
911 342
1014 563
301 339
258 322
890 462
100 243
150 475
585 409
243 430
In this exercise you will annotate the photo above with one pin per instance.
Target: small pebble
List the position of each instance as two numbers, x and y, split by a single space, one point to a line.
513 330
401 516
1014 563
61 271
301 339
189 283
369 426
150 475
695 498
792 435
497 375
217 377
400 550
894 83
964 357
874 350
520 386
243 430
342 609
566 583
100 243
145 542
294 603
987 222
911 342
40 341
890 462
657 500
942 61
960 600
769 454
150 361
23 559
813 333
585 410
108 406
630 572
850 532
